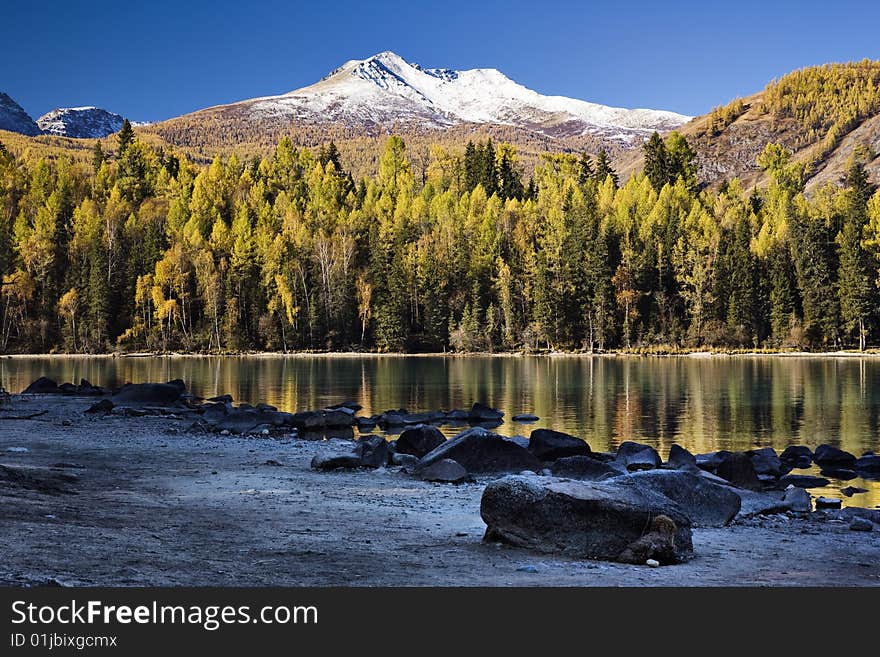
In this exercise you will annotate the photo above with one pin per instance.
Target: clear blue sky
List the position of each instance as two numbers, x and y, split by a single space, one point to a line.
158 59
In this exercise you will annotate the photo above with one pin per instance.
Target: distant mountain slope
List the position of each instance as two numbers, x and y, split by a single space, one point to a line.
14 118
384 93
822 114
80 122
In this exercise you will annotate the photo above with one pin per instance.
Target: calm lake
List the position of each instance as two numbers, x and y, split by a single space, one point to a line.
701 403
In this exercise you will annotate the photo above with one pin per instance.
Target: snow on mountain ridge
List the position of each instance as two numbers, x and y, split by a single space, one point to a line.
80 122
385 89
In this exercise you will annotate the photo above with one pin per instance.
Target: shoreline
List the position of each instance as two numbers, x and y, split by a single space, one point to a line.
440 354
145 501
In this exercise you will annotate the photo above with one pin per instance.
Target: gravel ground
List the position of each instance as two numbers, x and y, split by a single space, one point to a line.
145 502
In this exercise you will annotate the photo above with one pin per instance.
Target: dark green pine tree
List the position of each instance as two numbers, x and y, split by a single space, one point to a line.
125 137
855 288
656 161
604 168
472 168
489 178
585 166
509 183
97 156
813 254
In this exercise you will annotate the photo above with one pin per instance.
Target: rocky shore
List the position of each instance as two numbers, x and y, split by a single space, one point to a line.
149 485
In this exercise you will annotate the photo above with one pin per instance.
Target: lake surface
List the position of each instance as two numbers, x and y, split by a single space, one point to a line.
701 403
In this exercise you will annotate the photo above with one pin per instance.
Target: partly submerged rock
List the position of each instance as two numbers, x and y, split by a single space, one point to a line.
797 456
594 520
828 455
525 418
803 481
150 393
549 445
42 386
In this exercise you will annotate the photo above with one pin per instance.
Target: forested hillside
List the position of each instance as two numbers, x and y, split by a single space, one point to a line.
138 248
822 114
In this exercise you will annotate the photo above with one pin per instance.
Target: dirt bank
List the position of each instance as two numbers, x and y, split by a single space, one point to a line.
143 501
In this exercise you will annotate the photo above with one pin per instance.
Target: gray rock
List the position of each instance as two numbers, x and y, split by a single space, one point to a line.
868 463
324 419
861 525
482 413
797 499
705 503
828 503
585 468
712 460
827 455
525 418
444 471
149 393
766 462
522 441
849 491
756 503
797 456
331 461
593 520
100 406
635 456
680 458
737 468
42 386
407 461
372 451
549 445
803 481
418 440
479 450
838 473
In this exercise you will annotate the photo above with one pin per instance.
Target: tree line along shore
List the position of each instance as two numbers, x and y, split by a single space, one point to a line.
145 251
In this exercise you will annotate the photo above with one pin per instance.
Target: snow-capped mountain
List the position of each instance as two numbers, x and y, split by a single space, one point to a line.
386 90
14 118
80 122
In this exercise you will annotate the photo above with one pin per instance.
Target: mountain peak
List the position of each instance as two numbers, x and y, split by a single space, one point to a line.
14 118
80 122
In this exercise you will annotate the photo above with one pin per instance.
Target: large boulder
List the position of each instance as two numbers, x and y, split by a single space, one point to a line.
479 450
593 520
419 440
705 503
585 468
150 393
549 445
42 386
828 455
737 468
635 456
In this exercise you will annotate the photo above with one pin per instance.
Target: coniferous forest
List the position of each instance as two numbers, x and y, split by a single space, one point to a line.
143 250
